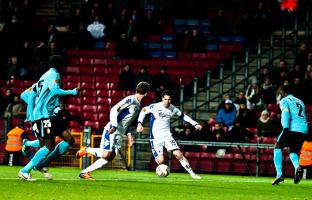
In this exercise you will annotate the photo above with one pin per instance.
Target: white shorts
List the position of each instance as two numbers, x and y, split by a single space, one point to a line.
110 142
157 145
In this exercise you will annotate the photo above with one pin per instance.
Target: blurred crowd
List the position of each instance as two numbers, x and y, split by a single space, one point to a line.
28 41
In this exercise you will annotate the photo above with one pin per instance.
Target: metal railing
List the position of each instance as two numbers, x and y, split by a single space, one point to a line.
258 59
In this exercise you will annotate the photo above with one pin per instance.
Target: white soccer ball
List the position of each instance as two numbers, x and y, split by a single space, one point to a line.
162 170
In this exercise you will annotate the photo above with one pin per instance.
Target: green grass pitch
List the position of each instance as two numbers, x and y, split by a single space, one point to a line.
136 185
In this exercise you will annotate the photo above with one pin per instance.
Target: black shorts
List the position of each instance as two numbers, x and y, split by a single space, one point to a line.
45 128
291 139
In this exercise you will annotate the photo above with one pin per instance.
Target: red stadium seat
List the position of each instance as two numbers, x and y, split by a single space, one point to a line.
99 62
73 100
100 70
93 124
89 108
74 107
103 93
87 85
89 100
103 117
88 92
72 70
90 116
103 101
105 108
87 78
86 70
99 53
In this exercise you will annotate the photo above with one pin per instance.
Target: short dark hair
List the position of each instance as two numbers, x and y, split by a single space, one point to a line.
143 87
167 93
287 89
56 61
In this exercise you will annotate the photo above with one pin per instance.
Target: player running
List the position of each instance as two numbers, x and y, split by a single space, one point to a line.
45 108
295 130
160 135
121 116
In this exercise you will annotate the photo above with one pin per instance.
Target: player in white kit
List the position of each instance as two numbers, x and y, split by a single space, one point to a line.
121 116
160 134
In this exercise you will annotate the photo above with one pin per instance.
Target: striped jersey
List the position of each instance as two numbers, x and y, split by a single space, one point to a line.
160 119
123 113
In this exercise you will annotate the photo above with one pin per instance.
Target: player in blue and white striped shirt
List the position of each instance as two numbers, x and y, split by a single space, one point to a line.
46 104
295 130
121 117
160 134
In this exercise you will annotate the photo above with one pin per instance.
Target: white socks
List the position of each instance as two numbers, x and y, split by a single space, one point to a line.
95 151
96 165
184 162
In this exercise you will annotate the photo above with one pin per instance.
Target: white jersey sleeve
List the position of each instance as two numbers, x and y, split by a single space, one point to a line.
124 110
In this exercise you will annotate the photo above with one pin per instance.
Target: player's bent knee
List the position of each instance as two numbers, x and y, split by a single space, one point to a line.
178 154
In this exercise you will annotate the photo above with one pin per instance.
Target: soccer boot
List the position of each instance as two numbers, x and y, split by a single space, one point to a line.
298 175
278 180
46 174
25 176
25 150
86 175
82 152
195 176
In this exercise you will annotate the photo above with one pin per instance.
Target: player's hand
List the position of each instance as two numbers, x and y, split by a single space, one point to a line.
78 90
112 130
198 127
139 128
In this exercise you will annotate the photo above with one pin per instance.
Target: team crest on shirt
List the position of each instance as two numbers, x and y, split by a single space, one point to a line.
163 115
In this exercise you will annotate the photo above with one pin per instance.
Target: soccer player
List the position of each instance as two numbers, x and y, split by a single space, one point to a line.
160 135
121 116
45 108
295 129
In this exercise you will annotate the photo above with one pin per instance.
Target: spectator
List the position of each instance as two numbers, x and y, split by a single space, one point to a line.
222 104
14 144
113 31
265 126
150 23
12 68
132 29
196 42
299 90
218 133
264 73
161 82
267 92
279 73
182 40
83 39
14 109
219 24
136 49
127 79
296 73
245 116
8 99
97 29
240 99
227 115
189 135
122 47
76 19
143 75
301 58
253 96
